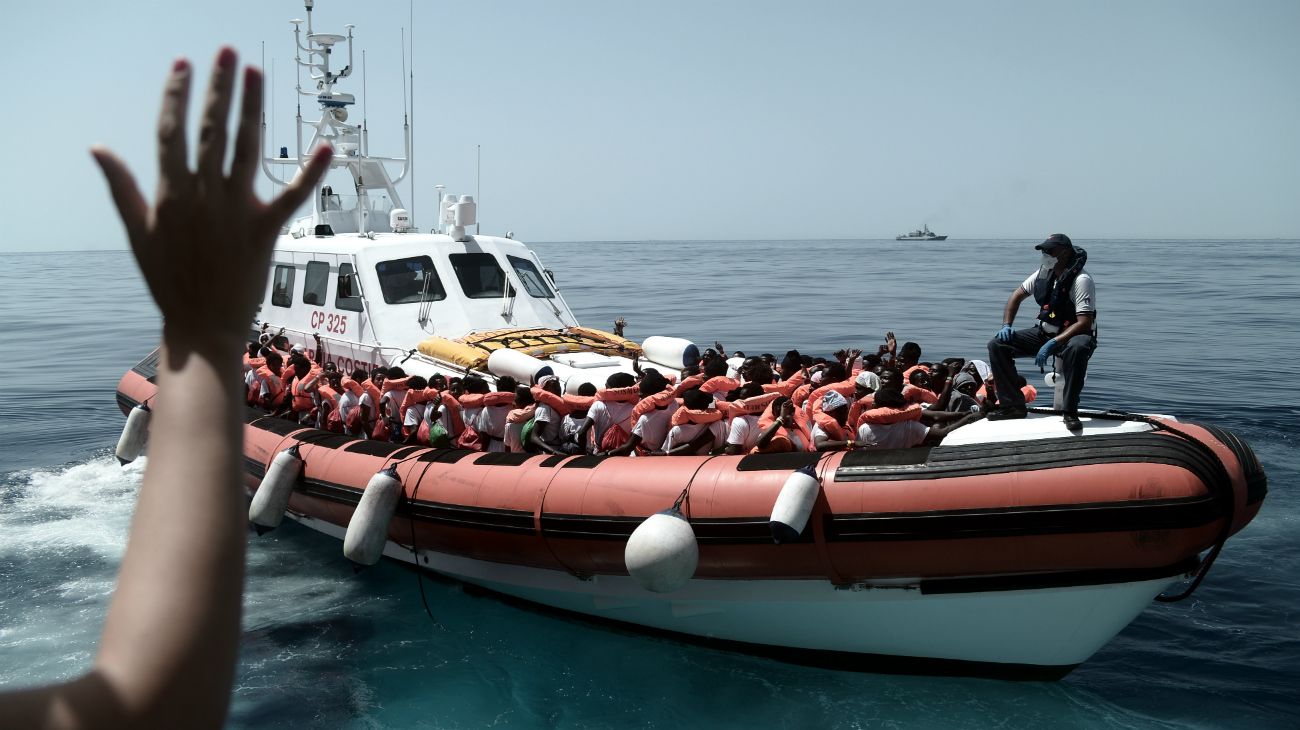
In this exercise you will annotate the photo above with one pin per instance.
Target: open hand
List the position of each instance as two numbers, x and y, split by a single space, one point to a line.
204 246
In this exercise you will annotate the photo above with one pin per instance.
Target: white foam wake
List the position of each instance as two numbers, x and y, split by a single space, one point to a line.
62 534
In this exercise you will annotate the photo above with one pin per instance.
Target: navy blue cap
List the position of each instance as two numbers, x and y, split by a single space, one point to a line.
1056 239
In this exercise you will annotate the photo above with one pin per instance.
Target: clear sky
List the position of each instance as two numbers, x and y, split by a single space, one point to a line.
722 120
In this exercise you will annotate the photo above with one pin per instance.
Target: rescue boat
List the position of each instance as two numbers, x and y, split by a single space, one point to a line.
1014 549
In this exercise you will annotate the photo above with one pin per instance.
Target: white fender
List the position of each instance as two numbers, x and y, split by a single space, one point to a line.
662 553
272 496
134 434
524 368
368 529
794 504
672 352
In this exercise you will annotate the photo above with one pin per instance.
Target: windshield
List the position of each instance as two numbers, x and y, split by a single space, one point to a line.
534 282
479 274
404 280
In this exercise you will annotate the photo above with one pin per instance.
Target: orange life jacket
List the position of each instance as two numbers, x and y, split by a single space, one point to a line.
719 384
690 383
830 426
684 415
785 387
781 441
886 415
917 394
630 394
650 403
555 402
845 388
749 406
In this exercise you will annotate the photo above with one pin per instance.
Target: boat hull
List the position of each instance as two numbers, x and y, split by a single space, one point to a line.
1017 559
902 627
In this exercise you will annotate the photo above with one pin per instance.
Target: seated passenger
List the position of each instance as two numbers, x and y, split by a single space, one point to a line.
609 420
828 430
518 418
782 429
743 431
412 407
917 389
303 389
327 411
571 426
652 415
962 394
697 426
471 408
268 387
388 421
546 437
717 383
491 424
903 426
349 405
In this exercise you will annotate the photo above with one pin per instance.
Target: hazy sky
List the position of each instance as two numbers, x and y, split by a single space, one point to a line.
722 120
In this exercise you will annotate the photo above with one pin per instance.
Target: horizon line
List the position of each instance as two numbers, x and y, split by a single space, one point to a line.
126 248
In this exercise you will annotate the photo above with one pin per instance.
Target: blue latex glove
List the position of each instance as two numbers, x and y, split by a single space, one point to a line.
1004 334
1048 349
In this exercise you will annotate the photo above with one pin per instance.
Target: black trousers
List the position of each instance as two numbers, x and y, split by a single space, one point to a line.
1074 356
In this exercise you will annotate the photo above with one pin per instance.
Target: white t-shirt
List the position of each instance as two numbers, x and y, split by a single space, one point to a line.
817 432
368 401
414 415
392 403
547 426
604 414
1082 291
492 422
901 435
653 427
687 432
348 402
744 432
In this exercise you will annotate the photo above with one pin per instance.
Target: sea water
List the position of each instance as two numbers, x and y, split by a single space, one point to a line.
1205 330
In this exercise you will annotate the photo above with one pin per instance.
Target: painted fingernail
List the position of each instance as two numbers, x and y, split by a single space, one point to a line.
226 58
180 65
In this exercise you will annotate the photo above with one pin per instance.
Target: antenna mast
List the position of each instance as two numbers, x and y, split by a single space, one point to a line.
478 181
411 150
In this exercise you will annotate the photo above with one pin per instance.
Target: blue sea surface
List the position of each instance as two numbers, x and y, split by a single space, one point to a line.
1204 330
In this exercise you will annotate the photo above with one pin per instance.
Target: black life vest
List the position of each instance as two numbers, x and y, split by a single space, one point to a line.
1053 293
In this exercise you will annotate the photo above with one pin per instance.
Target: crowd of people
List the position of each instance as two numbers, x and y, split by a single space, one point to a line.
734 404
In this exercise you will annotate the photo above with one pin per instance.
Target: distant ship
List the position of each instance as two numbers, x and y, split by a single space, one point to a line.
921 234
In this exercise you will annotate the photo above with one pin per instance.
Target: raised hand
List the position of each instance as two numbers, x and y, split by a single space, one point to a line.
204 246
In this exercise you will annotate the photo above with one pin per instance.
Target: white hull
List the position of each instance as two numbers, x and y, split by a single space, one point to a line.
1044 628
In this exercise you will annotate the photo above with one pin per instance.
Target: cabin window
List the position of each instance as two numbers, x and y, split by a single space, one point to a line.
534 282
316 283
410 280
479 274
341 299
282 286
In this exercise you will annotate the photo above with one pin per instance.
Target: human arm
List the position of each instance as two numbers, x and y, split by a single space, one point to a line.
167 652
936 433
1012 306
628 447
825 443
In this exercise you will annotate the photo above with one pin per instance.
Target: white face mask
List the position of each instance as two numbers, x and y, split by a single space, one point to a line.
1048 263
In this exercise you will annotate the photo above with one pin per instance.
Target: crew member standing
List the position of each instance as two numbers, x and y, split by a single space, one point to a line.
1066 328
